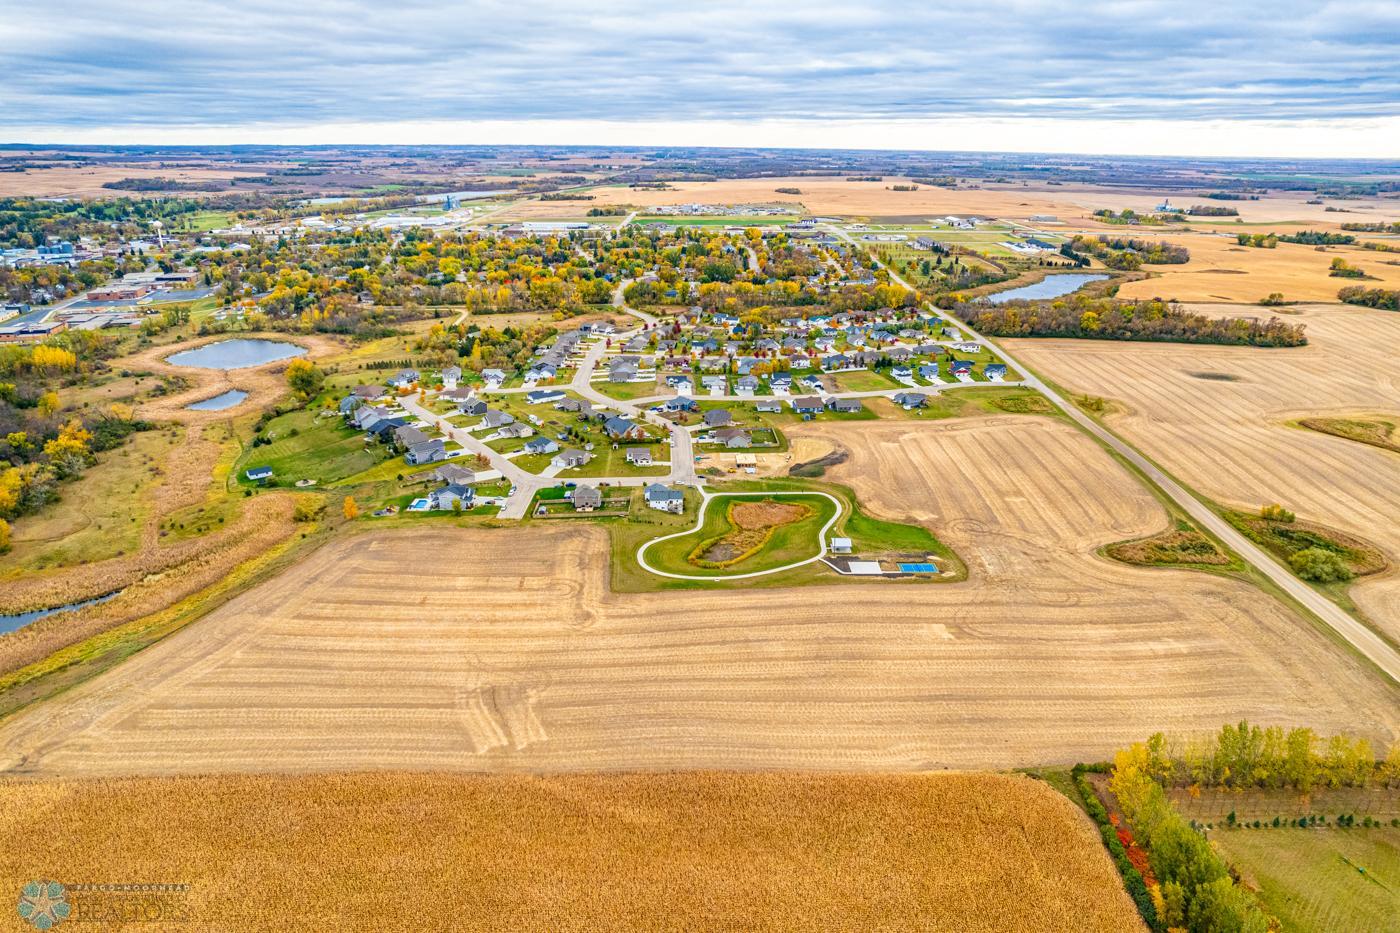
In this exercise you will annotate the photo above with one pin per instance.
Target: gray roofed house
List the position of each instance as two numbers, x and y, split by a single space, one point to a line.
496 376
349 404
426 452
717 418
623 429
734 437
404 378
910 400
807 404
769 405
664 498
456 396
567 459
408 436
541 445
639 456
587 498
452 473
515 429
472 406
496 419
846 405
451 376
370 393
450 496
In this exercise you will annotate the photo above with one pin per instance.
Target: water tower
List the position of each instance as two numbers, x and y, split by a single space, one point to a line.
160 240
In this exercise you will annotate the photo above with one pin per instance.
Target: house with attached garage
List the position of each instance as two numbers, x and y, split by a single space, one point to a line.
515 429
426 452
733 438
746 386
451 496
717 418
574 405
587 499
370 393
623 429
639 456
568 459
543 396
995 372
349 404
680 403
451 376
664 498
928 371
846 406
541 372
960 368
457 396
769 406
407 437
452 473
472 406
808 405
404 378
541 445
910 400
496 419
493 377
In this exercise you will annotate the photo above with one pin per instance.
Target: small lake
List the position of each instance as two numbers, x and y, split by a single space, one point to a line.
236 354
21 619
1052 286
219 402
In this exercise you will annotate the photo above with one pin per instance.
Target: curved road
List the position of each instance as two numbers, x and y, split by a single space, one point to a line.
705 497
1368 643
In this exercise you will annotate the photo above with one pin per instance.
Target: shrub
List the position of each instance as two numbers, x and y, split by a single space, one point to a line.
1276 513
308 509
1320 566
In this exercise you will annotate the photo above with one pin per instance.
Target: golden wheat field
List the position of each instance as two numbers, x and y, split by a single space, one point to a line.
503 649
1222 270
973 852
1232 438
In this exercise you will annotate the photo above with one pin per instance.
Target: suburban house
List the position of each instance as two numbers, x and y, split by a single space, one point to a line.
452 473
568 459
639 456
995 372
746 385
543 396
717 418
539 372
587 498
456 396
349 404
680 403
574 404
259 474
493 377
472 406
623 429
928 371
407 436
910 400
808 405
664 498
733 437
451 376
541 445
847 406
404 378
370 393
496 419
515 429
426 452
451 496
769 405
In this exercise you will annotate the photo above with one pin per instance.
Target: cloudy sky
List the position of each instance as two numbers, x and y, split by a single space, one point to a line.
1132 76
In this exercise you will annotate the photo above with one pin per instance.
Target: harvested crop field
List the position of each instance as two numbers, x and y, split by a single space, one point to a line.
1222 270
429 649
1235 440
583 852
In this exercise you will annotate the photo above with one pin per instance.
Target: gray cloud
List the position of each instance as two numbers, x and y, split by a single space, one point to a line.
93 63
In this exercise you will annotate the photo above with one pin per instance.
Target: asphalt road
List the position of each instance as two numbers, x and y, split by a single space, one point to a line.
1365 641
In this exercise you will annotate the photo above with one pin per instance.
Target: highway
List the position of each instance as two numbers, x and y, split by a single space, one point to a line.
1366 642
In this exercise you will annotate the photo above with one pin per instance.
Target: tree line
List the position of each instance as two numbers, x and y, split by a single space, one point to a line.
1386 299
1128 254
1119 319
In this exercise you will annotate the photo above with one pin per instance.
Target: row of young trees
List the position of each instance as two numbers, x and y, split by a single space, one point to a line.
1192 889
1251 756
1120 319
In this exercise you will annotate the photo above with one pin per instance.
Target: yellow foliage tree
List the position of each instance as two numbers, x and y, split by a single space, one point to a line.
350 509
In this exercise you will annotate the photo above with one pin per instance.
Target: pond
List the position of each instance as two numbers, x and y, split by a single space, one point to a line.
21 619
219 402
1052 286
235 354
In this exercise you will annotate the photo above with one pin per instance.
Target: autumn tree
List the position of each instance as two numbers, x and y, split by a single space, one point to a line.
351 510
305 378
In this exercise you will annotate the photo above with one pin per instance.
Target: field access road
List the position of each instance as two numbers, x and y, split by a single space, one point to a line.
705 497
1368 643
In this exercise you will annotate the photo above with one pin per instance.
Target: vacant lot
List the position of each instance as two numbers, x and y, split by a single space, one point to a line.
658 852
1328 881
504 650
1232 438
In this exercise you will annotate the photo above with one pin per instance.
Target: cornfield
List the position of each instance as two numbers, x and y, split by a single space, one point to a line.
948 851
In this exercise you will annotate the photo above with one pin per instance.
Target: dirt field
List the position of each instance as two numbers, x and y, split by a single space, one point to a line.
503 649
971 852
87 181
1222 270
1231 438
